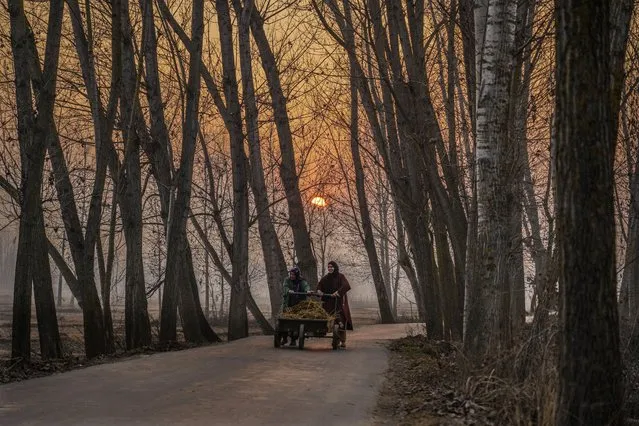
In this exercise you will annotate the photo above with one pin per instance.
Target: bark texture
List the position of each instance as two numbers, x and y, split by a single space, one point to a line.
590 382
487 305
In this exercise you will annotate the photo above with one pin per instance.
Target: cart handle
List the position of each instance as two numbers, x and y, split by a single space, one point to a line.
312 293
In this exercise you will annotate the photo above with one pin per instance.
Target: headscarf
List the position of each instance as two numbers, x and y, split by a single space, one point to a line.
295 270
335 266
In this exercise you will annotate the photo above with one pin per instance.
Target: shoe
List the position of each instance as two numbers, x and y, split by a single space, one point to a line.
342 345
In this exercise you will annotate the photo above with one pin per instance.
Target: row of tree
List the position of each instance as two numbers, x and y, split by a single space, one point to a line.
459 140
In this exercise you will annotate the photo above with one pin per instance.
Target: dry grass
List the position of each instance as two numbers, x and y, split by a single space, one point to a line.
307 309
432 382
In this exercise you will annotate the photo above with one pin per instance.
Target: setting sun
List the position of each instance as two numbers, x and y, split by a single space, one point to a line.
319 201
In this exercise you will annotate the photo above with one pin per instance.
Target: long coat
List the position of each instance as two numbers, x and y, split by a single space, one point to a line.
330 283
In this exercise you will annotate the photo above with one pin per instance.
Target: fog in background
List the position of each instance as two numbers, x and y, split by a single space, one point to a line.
352 263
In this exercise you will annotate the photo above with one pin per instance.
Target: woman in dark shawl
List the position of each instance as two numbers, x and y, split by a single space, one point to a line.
336 284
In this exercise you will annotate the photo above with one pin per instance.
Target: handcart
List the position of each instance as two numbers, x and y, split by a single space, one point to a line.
320 328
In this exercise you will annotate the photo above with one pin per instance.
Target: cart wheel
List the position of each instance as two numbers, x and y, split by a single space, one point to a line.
300 341
277 339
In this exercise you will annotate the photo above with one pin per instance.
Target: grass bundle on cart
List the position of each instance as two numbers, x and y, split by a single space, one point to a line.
307 309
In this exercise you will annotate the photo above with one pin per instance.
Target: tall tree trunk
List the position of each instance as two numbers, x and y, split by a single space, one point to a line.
158 149
452 299
271 248
177 241
383 301
488 327
106 274
32 135
238 319
29 198
104 121
60 277
620 18
590 379
384 235
288 170
467 28
189 279
452 278
630 279
403 259
136 319
50 343
519 91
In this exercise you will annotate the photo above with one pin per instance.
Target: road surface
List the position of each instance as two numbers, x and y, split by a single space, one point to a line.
246 382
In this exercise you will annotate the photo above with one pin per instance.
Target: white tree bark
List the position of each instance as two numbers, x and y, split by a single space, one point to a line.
486 318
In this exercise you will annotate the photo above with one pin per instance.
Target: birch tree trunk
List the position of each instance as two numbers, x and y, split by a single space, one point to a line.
487 321
589 344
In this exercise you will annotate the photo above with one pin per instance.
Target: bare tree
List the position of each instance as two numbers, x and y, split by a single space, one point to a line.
271 247
157 146
238 320
137 326
177 241
103 121
226 243
383 299
288 169
32 265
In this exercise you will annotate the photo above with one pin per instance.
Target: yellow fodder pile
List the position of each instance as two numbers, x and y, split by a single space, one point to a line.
306 309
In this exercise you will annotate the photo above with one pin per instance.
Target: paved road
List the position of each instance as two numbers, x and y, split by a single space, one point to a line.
247 382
